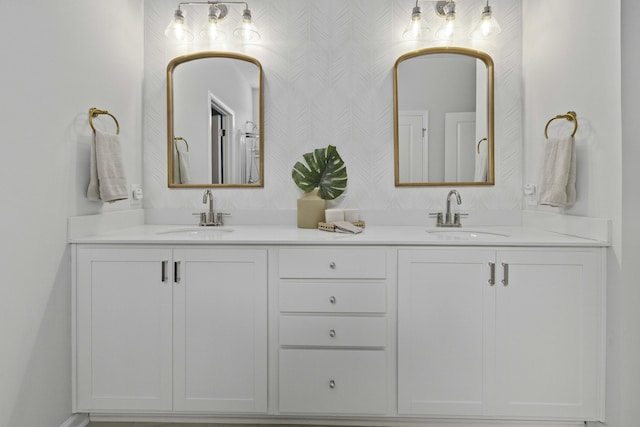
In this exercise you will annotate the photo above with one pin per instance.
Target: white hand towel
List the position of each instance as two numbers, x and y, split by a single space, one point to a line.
107 181
557 185
481 164
184 166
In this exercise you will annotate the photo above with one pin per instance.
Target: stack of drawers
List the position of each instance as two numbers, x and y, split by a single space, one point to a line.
333 330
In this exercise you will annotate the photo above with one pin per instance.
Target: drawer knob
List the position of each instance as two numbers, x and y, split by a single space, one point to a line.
332 300
332 333
332 384
332 265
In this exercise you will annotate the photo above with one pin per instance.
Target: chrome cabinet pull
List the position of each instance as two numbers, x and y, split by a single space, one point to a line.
176 272
492 273
332 265
332 300
164 264
332 333
505 270
332 384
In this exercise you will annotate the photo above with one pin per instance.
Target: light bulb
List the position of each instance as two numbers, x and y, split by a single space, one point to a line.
177 29
211 31
487 26
246 31
447 29
417 28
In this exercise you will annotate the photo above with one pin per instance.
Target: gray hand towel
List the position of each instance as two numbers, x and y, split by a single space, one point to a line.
107 180
558 176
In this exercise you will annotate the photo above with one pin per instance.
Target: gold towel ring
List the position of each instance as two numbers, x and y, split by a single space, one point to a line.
179 138
95 112
570 116
478 145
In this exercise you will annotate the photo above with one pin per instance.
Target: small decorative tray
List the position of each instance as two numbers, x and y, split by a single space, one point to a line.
327 226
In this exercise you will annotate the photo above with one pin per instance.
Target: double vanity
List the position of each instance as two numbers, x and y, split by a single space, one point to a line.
395 325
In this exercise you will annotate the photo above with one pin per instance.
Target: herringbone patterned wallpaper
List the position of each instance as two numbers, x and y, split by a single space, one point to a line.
328 80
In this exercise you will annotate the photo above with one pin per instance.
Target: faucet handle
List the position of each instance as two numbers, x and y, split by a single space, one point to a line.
220 217
456 218
203 217
437 216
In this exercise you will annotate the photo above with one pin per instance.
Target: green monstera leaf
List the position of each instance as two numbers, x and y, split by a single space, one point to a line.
324 170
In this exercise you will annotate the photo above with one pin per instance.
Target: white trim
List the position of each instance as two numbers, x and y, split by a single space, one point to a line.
76 420
329 421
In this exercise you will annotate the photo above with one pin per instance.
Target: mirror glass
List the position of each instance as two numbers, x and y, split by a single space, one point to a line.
443 118
214 121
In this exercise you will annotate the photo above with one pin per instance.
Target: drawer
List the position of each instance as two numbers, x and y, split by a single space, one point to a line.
333 263
333 331
333 381
333 297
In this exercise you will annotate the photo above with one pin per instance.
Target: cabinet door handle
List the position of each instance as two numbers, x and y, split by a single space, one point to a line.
332 384
165 265
176 272
332 299
492 273
332 265
332 333
505 270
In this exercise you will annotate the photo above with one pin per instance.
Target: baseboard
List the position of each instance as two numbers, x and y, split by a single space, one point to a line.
76 420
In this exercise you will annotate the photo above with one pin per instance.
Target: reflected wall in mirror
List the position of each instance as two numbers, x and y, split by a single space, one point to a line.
215 121
443 118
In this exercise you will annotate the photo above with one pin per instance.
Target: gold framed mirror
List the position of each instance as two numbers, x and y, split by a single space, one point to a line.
443 118
215 121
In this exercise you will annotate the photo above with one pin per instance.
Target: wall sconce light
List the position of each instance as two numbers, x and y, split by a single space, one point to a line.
417 28
487 26
218 11
446 10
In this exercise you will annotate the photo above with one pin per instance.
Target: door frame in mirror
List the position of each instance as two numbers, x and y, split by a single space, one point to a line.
486 59
170 110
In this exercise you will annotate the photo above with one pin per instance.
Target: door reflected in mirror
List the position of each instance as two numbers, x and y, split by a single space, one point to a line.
443 118
214 121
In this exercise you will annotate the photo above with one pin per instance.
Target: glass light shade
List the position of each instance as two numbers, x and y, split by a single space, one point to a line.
177 29
417 28
246 31
487 26
446 30
212 32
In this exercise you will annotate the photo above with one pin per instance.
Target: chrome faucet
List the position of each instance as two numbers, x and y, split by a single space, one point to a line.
450 220
447 215
210 217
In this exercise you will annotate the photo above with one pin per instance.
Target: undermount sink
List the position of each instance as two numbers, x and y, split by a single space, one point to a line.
467 234
196 232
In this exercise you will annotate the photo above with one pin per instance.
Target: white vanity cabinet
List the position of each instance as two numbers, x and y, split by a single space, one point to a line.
333 354
171 329
500 333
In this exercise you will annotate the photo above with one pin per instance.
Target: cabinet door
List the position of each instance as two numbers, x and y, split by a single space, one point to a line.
445 305
548 326
220 330
123 329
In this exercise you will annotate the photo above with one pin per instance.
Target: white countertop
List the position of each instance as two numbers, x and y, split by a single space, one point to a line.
372 235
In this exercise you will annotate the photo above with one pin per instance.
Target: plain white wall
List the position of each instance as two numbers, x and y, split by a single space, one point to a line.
59 59
627 371
572 61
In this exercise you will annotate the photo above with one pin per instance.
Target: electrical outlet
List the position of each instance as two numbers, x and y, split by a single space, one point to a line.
136 195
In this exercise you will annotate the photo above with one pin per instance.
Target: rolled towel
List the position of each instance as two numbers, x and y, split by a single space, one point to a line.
557 185
107 180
